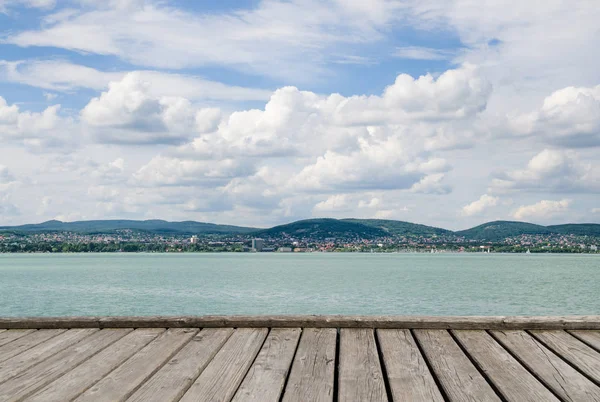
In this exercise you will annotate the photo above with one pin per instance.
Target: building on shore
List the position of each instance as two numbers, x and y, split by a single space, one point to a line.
284 250
258 244
194 240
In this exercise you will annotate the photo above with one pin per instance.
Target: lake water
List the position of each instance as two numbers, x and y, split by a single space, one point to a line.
198 284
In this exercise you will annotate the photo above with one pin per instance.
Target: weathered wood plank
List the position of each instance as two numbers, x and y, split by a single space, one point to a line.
459 378
31 380
510 378
76 381
407 372
578 353
27 342
13 366
592 338
175 377
125 380
223 375
310 321
266 378
566 382
312 374
360 377
12 335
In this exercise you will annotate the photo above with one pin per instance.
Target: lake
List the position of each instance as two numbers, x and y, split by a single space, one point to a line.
316 283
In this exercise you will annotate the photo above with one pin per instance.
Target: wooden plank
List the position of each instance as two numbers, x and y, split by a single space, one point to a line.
566 382
223 375
312 321
76 381
508 375
266 378
312 375
12 335
29 381
592 338
17 364
570 348
360 377
407 372
27 342
459 378
175 377
126 379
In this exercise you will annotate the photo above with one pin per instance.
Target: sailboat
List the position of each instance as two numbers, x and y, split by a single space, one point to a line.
528 252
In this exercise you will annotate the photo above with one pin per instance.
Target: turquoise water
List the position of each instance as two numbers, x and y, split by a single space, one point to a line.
197 284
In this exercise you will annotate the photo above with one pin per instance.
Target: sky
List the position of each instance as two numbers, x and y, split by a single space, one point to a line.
450 113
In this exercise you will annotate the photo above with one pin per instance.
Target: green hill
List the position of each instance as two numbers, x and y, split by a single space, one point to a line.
499 230
323 229
400 228
579 229
108 226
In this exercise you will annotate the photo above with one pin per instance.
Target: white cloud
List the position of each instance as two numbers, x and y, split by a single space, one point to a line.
542 210
38 131
43 4
333 203
60 75
422 53
273 38
552 170
478 206
6 175
49 96
569 117
596 210
128 114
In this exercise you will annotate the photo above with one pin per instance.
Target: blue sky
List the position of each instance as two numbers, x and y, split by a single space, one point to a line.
261 112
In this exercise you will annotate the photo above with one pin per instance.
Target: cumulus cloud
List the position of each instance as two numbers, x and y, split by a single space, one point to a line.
542 210
552 170
569 117
127 113
478 206
38 131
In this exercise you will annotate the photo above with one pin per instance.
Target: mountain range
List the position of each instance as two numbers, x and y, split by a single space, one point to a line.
313 228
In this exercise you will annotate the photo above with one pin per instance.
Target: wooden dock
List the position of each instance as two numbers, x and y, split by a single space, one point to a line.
300 358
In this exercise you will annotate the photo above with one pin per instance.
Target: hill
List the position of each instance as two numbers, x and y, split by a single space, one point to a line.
401 228
579 229
108 226
499 230
323 229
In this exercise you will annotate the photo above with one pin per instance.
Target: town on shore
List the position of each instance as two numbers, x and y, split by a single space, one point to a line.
313 235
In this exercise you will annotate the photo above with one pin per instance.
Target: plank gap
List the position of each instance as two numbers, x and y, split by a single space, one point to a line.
252 363
489 381
336 365
582 372
287 378
386 383
582 340
525 365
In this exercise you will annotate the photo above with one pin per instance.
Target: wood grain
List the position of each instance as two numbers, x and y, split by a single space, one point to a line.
459 378
360 377
125 380
175 377
9 336
407 372
266 378
570 348
27 342
75 382
312 321
508 375
566 382
29 381
39 353
592 338
223 375
312 374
